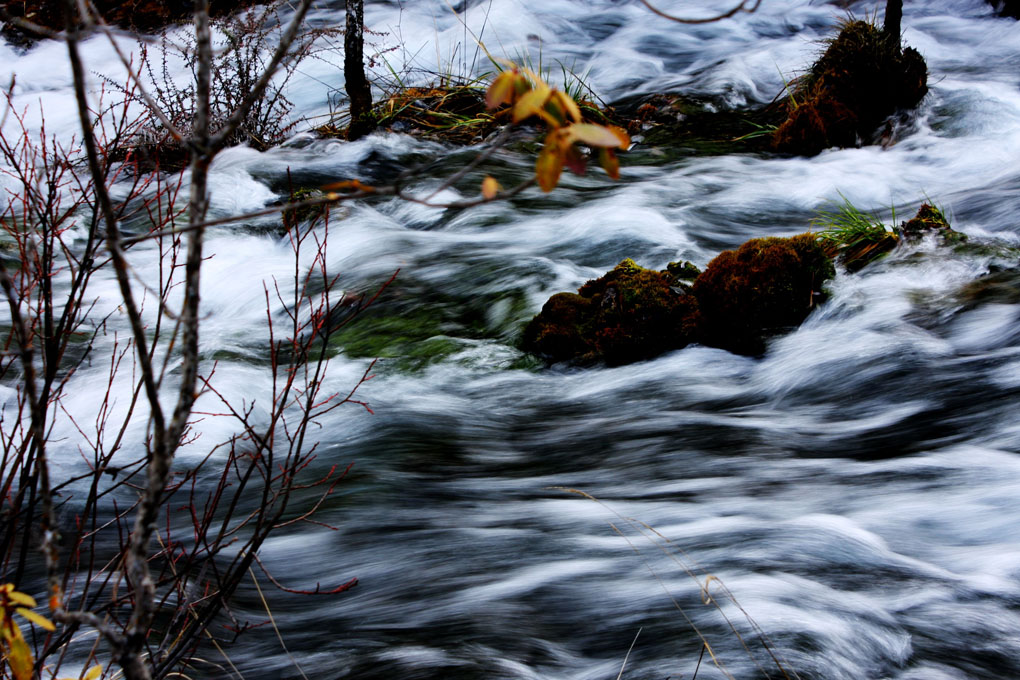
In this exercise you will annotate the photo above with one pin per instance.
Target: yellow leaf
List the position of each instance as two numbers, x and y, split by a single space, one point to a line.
610 163
19 656
553 113
558 139
93 673
569 105
501 91
594 135
37 619
531 103
535 78
521 85
348 185
490 187
548 168
21 598
621 135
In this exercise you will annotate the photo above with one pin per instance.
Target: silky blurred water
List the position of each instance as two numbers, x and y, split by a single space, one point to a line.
854 488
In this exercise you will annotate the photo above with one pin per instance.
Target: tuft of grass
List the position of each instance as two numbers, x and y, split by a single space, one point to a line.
852 236
760 130
848 224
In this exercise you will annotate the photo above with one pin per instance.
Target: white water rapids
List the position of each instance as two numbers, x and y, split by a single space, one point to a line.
856 488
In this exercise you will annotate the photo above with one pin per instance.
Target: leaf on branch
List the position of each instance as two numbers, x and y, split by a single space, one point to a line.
531 103
351 185
569 105
37 619
93 673
575 160
548 168
597 135
610 163
490 187
19 656
501 91
621 135
20 598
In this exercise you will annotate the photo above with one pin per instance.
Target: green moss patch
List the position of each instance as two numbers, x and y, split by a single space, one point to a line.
412 325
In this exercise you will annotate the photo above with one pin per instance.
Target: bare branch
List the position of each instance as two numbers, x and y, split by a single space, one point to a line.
290 34
744 6
153 107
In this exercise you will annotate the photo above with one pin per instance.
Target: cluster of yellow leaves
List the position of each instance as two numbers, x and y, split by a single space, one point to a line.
531 97
16 651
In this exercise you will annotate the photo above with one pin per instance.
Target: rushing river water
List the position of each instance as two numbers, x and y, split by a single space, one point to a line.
855 488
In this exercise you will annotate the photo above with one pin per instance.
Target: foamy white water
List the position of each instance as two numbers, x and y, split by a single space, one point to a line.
855 488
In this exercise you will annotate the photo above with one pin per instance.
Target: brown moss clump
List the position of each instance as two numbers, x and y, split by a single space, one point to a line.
628 315
558 332
766 286
931 220
863 77
632 313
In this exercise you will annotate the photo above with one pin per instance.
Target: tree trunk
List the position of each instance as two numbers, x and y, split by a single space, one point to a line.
893 16
358 90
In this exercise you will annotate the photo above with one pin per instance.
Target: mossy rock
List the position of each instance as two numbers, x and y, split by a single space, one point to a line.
863 77
630 314
766 286
855 242
684 271
931 220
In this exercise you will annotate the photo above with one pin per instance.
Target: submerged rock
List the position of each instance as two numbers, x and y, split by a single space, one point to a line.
862 78
695 125
766 286
996 287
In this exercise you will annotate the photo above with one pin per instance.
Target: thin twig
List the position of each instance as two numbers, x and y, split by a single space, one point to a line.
742 7
629 650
